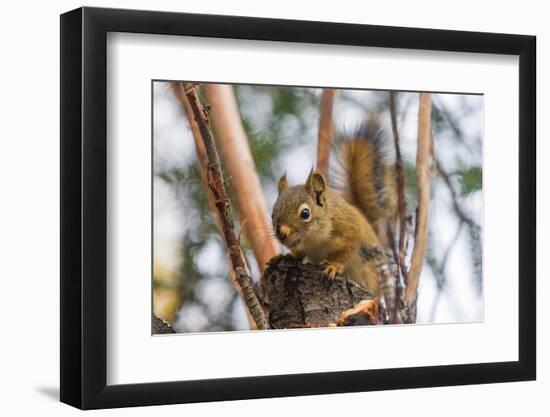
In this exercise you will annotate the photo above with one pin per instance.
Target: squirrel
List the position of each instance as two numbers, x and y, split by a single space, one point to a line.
345 227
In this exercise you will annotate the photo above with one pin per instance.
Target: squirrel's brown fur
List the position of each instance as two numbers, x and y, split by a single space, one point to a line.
345 228
363 176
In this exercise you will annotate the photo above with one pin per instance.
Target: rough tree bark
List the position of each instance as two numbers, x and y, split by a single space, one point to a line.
301 296
159 326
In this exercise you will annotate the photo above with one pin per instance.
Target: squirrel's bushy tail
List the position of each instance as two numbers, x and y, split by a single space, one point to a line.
362 173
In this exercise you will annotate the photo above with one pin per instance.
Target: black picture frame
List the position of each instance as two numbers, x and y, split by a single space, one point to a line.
84 207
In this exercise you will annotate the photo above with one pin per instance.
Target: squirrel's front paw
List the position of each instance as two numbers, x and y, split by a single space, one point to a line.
331 269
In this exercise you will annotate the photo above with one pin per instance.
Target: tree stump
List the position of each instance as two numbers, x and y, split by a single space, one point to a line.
300 295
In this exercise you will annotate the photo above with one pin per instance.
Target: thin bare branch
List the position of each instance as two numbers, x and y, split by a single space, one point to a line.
439 270
462 215
401 202
325 131
178 90
423 201
202 158
217 188
238 161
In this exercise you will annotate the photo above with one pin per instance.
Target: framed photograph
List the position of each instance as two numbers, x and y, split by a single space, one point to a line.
258 208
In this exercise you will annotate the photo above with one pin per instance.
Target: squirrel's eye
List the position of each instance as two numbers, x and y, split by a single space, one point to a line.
304 213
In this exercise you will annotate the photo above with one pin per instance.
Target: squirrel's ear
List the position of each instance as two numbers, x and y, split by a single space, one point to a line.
283 184
309 181
316 185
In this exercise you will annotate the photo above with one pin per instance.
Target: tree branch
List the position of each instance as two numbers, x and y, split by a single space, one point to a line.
202 157
456 205
439 106
325 131
401 202
235 152
423 197
439 270
217 187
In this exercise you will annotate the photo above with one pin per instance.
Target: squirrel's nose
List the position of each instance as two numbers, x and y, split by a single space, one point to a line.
282 232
